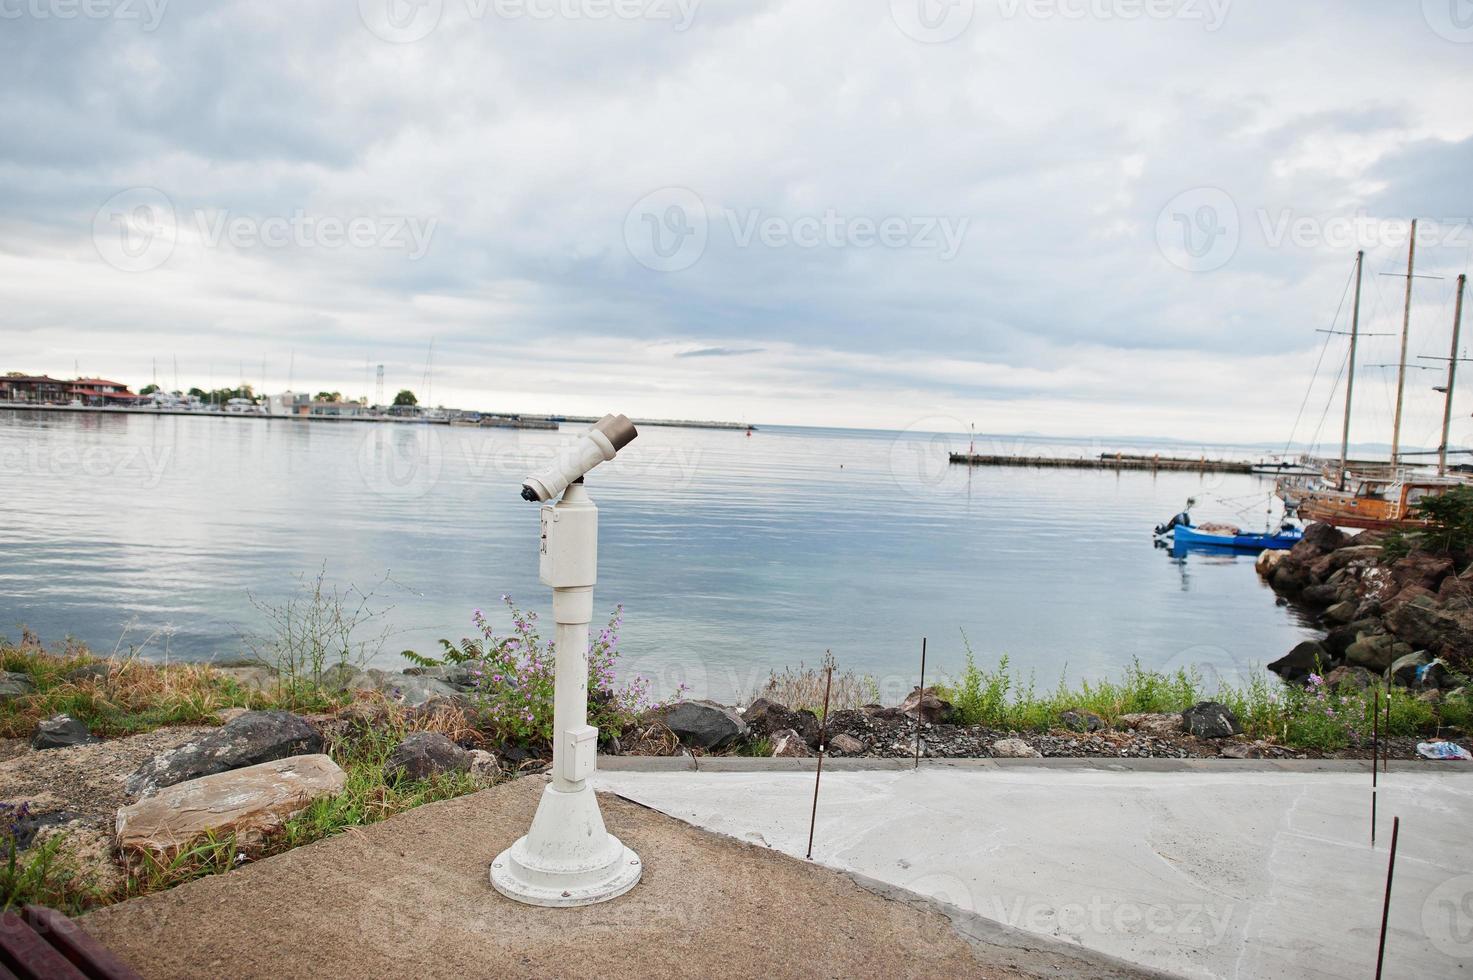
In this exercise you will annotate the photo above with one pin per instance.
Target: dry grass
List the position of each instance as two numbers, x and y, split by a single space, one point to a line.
127 695
803 687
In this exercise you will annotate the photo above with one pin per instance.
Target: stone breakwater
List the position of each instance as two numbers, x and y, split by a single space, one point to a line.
1406 619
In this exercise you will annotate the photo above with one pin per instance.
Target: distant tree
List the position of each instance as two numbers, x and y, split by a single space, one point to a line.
148 389
405 397
198 392
329 396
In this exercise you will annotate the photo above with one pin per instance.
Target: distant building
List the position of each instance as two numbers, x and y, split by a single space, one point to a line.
43 390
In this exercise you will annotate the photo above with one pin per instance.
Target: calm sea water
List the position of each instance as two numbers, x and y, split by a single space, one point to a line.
733 555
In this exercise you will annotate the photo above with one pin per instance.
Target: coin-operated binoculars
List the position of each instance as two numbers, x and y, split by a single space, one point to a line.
568 857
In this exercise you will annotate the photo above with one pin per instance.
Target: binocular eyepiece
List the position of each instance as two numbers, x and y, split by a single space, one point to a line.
599 444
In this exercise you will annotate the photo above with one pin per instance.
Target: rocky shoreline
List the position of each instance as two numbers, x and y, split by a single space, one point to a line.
1407 620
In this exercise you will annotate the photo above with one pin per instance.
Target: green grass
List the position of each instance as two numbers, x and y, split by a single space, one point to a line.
1297 717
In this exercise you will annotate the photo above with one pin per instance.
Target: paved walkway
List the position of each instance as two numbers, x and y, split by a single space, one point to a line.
1259 871
409 897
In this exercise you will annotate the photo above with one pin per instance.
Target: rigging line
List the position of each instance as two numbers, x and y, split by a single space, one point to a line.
1334 320
1329 401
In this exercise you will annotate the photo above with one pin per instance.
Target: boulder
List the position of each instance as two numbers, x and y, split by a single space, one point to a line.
462 677
1447 631
412 690
788 744
1290 577
846 744
424 754
881 712
704 724
1324 537
1423 570
1014 748
1209 719
253 738
14 684
1306 658
1376 652
1323 594
1077 720
1160 725
1241 750
61 732
1328 566
1409 593
1339 639
1355 678
1455 590
926 706
1403 670
86 673
251 803
766 718
1341 612
1268 561
484 766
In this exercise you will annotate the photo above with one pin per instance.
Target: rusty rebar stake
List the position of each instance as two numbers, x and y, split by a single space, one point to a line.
823 730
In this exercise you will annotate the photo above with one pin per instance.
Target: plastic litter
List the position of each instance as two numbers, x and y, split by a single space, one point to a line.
1443 750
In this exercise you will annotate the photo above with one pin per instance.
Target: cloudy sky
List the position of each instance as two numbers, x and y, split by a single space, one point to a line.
1071 217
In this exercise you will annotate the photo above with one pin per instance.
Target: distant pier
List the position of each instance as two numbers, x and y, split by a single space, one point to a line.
1109 461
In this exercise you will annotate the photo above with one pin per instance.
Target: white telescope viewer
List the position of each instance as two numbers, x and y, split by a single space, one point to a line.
568 857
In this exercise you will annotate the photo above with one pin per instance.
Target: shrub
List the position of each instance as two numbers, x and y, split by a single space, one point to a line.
1450 521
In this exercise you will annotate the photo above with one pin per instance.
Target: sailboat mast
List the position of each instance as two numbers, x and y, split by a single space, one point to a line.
1360 259
1406 326
1452 374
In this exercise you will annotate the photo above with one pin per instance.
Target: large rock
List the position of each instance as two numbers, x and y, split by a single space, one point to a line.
1303 660
704 724
412 690
61 732
1014 748
846 744
1423 570
1268 561
1290 577
14 684
1447 631
1325 537
1209 719
424 754
788 744
253 738
1403 670
1341 612
1160 725
766 718
1079 720
1327 566
1354 678
1376 653
251 803
1323 594
927 706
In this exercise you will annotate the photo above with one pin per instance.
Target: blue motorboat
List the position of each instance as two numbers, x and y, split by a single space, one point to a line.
1183 533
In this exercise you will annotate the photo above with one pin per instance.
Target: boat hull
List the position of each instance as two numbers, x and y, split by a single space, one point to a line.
1182 535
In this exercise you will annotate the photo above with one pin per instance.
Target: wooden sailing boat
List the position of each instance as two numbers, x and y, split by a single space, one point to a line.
1371 498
